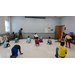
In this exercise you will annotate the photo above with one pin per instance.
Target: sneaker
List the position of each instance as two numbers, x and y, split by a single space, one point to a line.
69 47
56 56
66 46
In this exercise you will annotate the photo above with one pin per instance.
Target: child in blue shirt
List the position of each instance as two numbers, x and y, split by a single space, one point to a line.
6 44
28 40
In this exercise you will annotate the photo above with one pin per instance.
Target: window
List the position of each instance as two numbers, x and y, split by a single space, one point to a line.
7 26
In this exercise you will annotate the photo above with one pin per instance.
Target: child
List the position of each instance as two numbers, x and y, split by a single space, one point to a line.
14 51
28 40
16 40
68 39
59 40
49 41
63 37
35 36
61 51
36 41
40 40
6 44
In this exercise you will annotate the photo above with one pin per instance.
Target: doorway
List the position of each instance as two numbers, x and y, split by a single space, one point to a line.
59 31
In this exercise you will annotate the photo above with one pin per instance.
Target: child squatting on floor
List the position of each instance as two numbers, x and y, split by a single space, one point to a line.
61 51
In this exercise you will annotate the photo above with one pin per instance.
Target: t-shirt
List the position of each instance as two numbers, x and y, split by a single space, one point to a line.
62 50
16 38
67 37
49 40
5 44
35 35
20 31
36 40
17 47
28 40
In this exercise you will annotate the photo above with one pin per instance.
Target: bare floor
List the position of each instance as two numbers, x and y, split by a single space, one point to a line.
32 51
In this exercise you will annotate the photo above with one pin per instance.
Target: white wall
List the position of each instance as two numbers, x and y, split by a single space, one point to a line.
2 23
69 22
33 25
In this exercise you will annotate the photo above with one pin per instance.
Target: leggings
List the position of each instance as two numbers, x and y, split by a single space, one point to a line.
69 41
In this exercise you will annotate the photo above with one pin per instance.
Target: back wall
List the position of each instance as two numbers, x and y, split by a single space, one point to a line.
33 25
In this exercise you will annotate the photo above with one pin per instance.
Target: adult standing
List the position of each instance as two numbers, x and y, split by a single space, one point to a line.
20 33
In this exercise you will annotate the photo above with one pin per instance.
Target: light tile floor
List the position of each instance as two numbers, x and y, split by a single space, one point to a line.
32 51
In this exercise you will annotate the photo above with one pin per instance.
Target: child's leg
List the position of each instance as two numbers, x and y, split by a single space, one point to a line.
47 42
12 53
56 52
15 53
34 37
62 57
69 43
66 43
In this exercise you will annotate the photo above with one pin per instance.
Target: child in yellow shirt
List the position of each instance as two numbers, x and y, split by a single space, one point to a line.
61 51
68 39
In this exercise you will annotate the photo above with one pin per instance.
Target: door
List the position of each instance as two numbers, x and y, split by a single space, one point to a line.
57 31
62 30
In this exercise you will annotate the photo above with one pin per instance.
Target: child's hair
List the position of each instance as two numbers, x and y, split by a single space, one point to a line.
62 43
28 36
7 41
49 37
16 36
37 38
21 28
13 32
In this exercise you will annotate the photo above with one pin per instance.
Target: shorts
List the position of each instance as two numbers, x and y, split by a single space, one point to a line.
14 51
35 37
36 42
69 39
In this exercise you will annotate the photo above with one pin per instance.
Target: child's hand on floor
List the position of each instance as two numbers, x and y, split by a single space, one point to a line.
21 53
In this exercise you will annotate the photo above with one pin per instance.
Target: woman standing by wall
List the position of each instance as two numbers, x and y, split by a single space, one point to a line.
20 33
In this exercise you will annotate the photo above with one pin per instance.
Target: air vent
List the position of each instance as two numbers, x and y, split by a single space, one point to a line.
35 17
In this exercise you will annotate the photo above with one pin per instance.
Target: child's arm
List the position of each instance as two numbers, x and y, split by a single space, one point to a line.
20 52
66 51
65 38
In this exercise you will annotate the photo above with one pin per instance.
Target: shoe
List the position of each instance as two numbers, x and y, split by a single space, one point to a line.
66 46
56 56
69 47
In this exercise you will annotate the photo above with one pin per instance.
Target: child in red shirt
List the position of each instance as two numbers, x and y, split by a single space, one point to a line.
36 41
